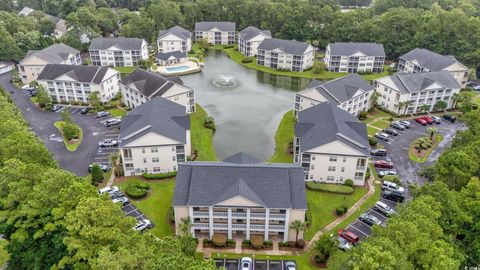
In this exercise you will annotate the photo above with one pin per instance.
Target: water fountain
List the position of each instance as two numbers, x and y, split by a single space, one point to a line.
225 81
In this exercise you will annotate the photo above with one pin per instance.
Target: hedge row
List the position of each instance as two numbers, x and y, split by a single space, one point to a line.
137 189
331 188
159 175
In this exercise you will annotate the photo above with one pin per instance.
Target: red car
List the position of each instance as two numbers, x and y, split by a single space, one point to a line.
349 236
421 121
427 119
383 164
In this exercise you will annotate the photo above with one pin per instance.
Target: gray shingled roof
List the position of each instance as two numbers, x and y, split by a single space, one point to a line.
222 26
149 83
85 74
325 123
273 185
178 31
54 54
122 43
251 32
287 46
176 54
349 48
416 82
342 89
157 115
428 59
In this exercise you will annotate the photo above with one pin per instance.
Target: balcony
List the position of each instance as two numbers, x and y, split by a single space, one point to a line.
127 158
277 216
360 168
239 215
200 214
257 227
358 178
276 227
220 214
257 215
220 226
201 226
239 226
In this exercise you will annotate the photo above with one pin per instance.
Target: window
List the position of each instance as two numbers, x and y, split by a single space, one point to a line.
154 149
174 168
333 158
155 159
343 169
344 159
331 168
129 166
313 157
312 167
330 178
173 158
173 148
143 150
144 160
156 169
127 153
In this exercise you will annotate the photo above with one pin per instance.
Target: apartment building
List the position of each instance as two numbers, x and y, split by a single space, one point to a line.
240 197
76 83
249 39
32 65
350 93
353 57
423 60
285 54
118 52
174 39
331 145
154 137
407 93
142 86
216 33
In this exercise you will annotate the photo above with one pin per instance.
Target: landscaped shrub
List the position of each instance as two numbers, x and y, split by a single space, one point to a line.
292 244
331 188
372 141
70 131
97 174
281 244
257 241
230 243
308 216
159 175
219 240
171 215
247 60
301 243
236 49
137 189
348 183
362 115
340 211
228 46
246 243
268 243
209 123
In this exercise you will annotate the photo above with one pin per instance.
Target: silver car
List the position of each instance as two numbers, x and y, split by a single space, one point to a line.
384 208
142 225
343 244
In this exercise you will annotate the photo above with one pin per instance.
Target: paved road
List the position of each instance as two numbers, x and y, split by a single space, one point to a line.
41 123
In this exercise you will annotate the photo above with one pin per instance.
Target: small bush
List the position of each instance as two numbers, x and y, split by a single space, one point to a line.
246 243
301 243
372 141
362 115
268 243
230 243
137 189
236 49
330 188
340 210
159 175
348 183
97 174
247 60
219 240
209 123
292 244
228 46
257 241
281 244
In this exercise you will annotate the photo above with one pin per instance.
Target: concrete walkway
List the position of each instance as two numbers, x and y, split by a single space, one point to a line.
110 181
350 212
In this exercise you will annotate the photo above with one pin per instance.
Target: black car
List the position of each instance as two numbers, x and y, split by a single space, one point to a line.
398 126
378 152
450 118
390 131
85 110
394 195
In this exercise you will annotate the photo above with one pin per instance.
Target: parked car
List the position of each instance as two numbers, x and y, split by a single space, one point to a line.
436 119
369 219
104 167
290 266
343 244
349 236
382 136
450 118
32 92
394 195
142 225
56 108
384 208
428 119
378 152
85 110
246 263
107 143
110 189
386 185
387 172
405 123
122 200
26 87
113 122
397 125
390 131
102 114
383 164
421 121
116 194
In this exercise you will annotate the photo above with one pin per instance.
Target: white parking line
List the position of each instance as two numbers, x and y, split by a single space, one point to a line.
364 223
103 153
394 202
100 158
111 135
351 225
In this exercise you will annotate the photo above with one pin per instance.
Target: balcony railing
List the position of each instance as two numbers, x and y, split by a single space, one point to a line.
277 216
276 227
257 215
257 227
220 226
201 225
361 168
200 214
220 214
239 226
239 215
358 178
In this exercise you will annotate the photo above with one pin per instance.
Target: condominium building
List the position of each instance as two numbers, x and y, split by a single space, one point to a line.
285 54
32 65
249 39
216 33
407 93
350 93
142 86
174 39
76 83
331 145
118 52
423 60
154 137
240 197
353 57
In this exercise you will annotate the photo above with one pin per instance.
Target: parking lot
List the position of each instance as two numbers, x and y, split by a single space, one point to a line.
132 211
234 264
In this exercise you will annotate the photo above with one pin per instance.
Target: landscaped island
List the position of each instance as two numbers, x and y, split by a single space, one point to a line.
72 134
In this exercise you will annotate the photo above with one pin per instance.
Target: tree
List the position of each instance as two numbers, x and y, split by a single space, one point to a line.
70 131
440 105
4 256
114 158
97 173
95 101
66 116
318 67
43 97
421 143
185 227
374 99
431 131
298 226
9 50
404 105
424 108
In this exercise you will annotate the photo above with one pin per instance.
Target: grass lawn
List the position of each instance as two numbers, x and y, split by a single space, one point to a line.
201 137
476 99
322 207
413 153
71 145
380 124
156 205
126 70
283 138
117 112
372 131
34 99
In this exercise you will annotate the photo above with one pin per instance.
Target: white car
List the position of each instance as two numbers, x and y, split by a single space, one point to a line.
405 123
107 143
436 119
111 189
386 172
246 263
384 208
392 186
343 244
142 225
290 266
122 200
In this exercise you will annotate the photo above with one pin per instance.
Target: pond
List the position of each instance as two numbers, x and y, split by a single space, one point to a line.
247 104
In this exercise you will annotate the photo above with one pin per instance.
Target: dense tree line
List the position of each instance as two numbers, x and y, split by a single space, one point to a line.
54 219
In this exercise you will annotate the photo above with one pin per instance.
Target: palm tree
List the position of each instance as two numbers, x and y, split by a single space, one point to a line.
455 99
298 226
374 98
421 143
401 104
425 108
185 227
114 157
432 131
407 103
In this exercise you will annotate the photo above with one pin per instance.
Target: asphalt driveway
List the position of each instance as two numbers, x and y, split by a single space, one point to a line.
42 121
